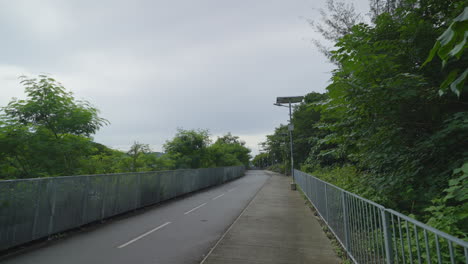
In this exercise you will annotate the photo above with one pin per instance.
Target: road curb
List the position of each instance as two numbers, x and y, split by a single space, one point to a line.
237 219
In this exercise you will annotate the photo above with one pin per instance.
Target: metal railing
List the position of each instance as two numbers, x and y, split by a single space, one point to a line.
36 208
371 233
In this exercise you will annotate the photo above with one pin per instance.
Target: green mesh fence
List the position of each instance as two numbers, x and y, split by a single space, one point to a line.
35 208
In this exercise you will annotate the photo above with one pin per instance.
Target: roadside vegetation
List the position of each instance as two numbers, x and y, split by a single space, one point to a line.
50 134
392 125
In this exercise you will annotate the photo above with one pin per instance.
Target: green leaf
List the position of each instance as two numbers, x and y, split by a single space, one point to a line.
459 48
463 16
432 53
450 78
457 85
446 37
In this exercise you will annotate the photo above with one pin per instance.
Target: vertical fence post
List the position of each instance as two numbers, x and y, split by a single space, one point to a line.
13 204
86 194
387 236
316 200
326 203
53 182
104 194
138 192
345 220
36 209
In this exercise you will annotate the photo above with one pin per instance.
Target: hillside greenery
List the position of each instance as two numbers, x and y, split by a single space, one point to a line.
392 125
49 133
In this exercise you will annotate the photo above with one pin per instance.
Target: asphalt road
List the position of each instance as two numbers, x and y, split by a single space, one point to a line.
178 231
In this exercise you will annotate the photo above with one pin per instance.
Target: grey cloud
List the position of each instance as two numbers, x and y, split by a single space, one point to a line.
153 66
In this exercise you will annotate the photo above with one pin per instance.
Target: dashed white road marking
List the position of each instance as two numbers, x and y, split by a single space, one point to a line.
143 235
218 196
188 212
230 190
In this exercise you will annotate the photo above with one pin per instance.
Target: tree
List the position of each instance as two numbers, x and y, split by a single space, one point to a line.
306 116
50 106
451 46
228 150
188 149
277 147
383 130
261 160
383 114
103 160
136 152
191 149
48 132
336 21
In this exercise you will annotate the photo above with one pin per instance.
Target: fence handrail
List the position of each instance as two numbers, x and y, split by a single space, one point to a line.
348 192
371 233
108 174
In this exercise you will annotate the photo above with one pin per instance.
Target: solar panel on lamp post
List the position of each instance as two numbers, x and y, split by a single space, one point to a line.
290 100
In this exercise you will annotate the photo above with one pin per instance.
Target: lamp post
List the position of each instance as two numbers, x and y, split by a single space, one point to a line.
285 152
280 101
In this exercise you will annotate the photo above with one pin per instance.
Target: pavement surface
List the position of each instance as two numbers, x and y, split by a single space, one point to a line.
276 227
178 231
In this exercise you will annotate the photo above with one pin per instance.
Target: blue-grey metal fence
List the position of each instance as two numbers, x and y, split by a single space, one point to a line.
371 233
35 208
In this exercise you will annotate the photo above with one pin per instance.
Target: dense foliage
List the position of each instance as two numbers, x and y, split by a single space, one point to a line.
49 134
191 149
390 126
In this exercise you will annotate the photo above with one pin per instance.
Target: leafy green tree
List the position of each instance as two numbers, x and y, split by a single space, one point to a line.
389 121
50 106
164 162
103 160
48 133
451 46
382 129
228 150
306 134
137 152
261 160
277 147
449 213
193 149
188 149
335 22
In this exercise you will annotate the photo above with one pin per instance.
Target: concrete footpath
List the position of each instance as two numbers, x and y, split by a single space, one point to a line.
276 227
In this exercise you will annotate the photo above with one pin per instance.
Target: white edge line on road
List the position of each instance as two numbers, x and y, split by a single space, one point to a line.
188 212
230 190
235 221
218 196
143 235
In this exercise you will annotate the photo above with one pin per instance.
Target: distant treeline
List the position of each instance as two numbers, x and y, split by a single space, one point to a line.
49 134
393 123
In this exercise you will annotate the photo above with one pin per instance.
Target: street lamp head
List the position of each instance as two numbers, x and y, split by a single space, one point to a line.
289 99
281 105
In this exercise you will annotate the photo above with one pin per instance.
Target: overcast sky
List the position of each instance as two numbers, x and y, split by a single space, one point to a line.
154 66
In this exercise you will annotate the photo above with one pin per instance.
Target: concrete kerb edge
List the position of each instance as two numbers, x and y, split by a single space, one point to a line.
235 221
